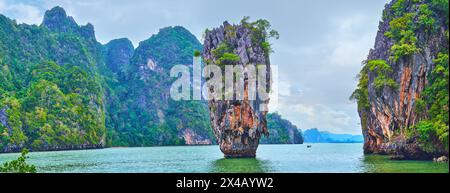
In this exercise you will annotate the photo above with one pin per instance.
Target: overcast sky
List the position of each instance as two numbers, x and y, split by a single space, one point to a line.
319 53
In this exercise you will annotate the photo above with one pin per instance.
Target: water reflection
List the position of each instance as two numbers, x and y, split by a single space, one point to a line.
383 164
69 167
369 163
241 165
271 158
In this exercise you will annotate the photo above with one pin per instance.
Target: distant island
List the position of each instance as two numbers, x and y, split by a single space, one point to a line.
316 136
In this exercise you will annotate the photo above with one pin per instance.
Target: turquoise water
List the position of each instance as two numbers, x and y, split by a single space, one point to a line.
270 158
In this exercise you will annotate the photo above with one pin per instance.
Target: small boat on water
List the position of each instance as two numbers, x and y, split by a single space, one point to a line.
309 146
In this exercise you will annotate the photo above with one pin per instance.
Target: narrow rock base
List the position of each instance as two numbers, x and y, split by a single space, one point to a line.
240 155
239 146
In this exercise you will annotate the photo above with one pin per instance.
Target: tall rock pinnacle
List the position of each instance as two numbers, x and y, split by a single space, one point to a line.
239 123
57 20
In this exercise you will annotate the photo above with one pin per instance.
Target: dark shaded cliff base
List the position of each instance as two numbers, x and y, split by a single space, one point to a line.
12 149
240 153
400 151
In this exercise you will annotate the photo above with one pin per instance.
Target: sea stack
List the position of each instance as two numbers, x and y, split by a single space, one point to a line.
238 124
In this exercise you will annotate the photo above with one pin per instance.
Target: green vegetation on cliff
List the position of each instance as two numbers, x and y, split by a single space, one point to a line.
261 32
141 112
43 104
282 131
382 70
411 59
405 25
433 129
61 89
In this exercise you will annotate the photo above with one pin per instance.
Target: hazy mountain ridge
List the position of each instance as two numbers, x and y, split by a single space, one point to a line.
316 136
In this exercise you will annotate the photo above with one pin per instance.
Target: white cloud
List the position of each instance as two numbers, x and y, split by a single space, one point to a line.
334 119
324 70
2 6
22 13
347 41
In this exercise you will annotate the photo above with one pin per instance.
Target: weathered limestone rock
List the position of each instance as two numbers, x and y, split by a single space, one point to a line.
192 138
237 124
441 159
4 119
392 111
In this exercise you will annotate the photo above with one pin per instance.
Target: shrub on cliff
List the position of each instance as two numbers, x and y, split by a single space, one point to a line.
434 129
411 51
262 32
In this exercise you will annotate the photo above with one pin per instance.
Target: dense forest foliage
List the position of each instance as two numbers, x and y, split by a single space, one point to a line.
432 129
142 112
61 89
51 96
414 28
281 131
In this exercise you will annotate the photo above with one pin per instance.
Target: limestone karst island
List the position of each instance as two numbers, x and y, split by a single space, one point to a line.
212 87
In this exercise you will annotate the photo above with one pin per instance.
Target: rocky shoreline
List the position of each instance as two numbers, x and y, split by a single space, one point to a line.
17 149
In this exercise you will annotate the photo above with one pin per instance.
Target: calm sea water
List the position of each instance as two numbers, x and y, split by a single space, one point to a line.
270 158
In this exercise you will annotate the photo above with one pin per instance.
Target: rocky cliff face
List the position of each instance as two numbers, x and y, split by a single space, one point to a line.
141 111
106 95
411 36
55 67
118 54
237 124
192 138
56 20
281 131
